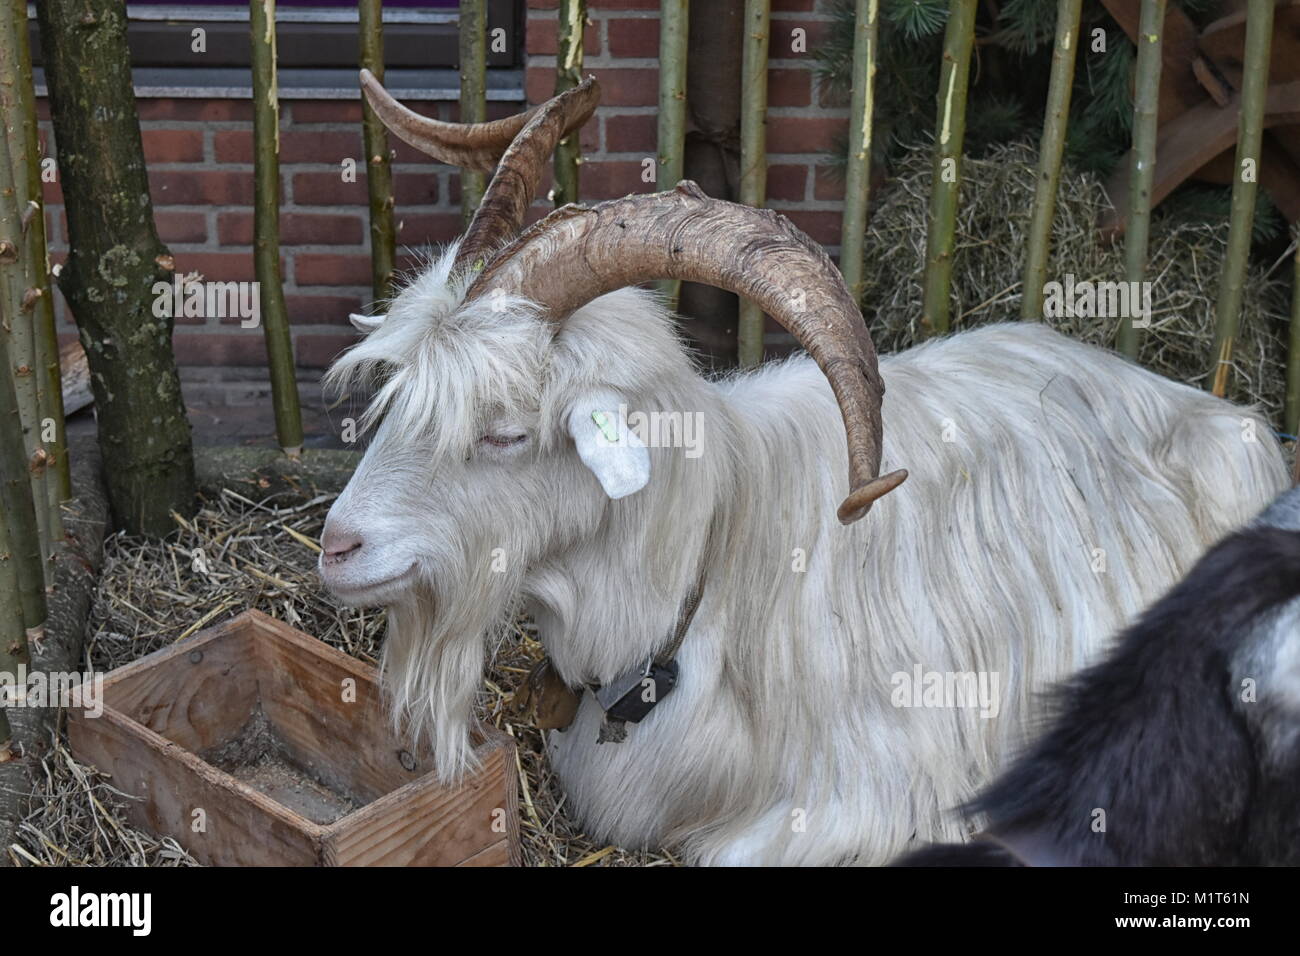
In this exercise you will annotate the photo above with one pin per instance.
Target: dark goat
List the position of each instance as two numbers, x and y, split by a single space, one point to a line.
1182 747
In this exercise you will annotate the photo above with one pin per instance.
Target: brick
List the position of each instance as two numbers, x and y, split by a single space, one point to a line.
632 133
543 37
802 134
296 146
173 145
239 347
331 269
787 182
195 110
789 87
218 266
176 226
329 189
620 86
322 309
426 228
320 349
822 225
782 38
543 4
612 179
417 187
634 37
325 111
201 187
296 229
828 184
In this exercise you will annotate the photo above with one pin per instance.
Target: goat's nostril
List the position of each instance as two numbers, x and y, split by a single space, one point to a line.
338 547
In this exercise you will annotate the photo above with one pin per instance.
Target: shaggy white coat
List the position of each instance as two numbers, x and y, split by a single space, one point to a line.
1055 490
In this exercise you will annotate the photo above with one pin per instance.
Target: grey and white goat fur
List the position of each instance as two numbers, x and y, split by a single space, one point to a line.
1056 489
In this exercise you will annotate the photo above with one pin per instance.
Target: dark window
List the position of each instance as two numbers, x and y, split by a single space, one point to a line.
310 33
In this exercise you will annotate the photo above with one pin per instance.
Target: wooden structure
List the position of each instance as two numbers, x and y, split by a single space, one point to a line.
255 744
1200 106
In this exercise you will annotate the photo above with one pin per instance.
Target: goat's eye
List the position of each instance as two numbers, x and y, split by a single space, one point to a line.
503 441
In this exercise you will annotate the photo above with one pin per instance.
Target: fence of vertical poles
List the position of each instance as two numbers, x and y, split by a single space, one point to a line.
33 455
954 69
266 228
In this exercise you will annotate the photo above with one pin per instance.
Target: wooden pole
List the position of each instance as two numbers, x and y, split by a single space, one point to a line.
266 228
857 180
13 636
1250 132
674 23
19 331
473 93
1292 410
19 512
50 384
1050 150
1146 103
945 189
379 167
753 154
568 74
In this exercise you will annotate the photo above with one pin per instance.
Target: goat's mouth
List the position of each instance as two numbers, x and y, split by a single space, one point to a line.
353 588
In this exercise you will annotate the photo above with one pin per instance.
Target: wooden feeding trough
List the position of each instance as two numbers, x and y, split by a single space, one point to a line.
255 744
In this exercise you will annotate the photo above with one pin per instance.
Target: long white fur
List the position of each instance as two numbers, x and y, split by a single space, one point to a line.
1055 490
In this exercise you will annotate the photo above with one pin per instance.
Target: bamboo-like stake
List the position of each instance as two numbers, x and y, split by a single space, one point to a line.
379 167
1250 133
568 74
13 636
473 93
19 513
753 155
1050 150
945 188
1146 103
857 180
266 228
50 385
674 17
1292 411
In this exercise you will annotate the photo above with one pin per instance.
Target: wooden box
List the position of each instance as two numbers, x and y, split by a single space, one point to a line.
255 744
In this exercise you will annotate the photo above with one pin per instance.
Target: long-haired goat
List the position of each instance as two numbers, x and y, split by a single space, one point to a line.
1056 490
1182 747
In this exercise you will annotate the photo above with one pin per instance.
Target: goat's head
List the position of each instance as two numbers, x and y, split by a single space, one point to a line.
503 382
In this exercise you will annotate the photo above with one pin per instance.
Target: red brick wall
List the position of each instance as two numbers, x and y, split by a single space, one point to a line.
200 161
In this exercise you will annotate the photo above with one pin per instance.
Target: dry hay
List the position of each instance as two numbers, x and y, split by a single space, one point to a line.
242 552
1186 259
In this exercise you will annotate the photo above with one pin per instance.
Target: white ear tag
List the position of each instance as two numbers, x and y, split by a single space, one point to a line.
614 453
366 323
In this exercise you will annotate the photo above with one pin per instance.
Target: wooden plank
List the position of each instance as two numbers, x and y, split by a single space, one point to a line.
198 694
426 824
1191 141
348 744
1179 88
1224 43
240 827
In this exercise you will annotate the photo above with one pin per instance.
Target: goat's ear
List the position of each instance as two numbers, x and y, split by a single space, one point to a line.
366 323
614 452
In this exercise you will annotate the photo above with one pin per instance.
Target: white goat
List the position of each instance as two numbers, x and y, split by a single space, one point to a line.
1056 489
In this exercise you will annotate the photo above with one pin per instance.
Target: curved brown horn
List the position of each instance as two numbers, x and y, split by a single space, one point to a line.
475 146
506 200
575 254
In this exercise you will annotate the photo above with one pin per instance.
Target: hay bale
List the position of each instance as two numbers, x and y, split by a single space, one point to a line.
1186 259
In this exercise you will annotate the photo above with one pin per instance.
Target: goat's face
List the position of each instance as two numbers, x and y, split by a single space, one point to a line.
495 442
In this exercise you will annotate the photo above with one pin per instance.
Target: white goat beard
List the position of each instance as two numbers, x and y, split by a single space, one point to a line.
432 666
